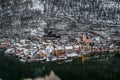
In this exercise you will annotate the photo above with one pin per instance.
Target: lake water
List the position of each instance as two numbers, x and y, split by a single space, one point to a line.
107 69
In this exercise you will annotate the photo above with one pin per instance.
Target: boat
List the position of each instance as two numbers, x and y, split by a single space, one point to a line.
68 60
22 60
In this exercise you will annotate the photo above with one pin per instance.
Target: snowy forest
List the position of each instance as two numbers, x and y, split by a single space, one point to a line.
18 16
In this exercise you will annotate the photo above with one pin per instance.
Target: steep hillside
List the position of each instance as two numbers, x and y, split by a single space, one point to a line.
62 14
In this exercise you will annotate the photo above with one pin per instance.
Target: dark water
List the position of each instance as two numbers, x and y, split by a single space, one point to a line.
12 69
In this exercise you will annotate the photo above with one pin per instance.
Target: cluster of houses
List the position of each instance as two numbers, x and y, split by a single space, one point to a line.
52 49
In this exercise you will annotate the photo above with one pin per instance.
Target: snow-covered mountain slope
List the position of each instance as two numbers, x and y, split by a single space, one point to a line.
57 13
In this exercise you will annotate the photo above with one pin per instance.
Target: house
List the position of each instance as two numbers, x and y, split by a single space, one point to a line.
59 53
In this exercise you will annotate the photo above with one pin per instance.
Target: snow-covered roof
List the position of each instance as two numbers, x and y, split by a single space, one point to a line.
59 48
68 47
76 46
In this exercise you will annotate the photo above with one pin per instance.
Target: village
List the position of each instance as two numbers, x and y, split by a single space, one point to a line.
52 48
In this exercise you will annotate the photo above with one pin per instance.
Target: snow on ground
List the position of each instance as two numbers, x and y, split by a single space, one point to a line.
37 5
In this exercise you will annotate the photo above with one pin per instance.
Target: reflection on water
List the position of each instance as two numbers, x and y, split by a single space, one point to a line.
12 69
52 76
